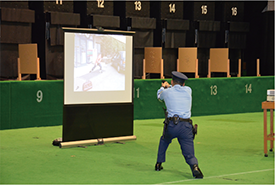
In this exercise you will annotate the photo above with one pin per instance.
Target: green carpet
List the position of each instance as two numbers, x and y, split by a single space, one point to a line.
229 149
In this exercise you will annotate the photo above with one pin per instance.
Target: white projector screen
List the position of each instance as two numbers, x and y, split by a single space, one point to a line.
97 67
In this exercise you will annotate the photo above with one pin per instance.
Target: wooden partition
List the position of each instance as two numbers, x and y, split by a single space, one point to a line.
28 62
152 62
219 61
188 61
258 67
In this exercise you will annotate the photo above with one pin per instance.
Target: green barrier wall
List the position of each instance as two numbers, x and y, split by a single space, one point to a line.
210 96
31 104
40 103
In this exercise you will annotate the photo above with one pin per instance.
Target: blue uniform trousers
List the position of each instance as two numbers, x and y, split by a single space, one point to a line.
183 132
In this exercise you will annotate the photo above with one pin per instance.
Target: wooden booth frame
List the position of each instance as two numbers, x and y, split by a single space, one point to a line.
187 61
28 62
219 62
258 67
153 62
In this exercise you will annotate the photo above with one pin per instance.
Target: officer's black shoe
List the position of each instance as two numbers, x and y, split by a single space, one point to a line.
158 167
197 172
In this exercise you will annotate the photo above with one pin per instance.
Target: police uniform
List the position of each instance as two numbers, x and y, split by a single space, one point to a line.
178 101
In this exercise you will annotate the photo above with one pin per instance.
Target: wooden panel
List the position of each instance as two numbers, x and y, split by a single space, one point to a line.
171 10
17 15
100 7
187 59
204 10
15 4
153 56
137 9
233 11
28 58
218 59
15 33
65 18
54 6
8 61
267 105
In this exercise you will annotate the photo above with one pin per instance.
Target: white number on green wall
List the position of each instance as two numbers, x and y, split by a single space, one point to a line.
39 95
137 92
248 88
214 90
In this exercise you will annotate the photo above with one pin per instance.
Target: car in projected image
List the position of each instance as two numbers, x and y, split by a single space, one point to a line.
118 61
106 59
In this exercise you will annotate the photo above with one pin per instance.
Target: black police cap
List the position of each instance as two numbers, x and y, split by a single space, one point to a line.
179 76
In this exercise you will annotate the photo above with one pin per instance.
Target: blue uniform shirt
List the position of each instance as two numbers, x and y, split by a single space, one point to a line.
178 100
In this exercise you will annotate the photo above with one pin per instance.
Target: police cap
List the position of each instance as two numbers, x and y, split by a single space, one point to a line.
179 76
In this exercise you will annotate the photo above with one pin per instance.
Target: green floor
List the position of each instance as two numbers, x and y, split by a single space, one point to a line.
229 149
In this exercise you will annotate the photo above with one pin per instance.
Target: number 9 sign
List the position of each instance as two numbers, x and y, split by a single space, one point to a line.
39 95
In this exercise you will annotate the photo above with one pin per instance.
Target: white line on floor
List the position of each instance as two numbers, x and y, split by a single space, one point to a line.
217 176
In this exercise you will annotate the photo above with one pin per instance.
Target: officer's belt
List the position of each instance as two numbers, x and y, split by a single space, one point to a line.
181 119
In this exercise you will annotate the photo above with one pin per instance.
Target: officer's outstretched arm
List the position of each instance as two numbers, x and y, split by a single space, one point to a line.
164 85
159 93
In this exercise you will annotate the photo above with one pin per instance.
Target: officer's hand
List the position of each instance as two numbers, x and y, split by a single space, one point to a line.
165 84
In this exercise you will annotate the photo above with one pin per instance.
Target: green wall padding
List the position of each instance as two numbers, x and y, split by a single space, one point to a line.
210 96
20 105
31 104
5 105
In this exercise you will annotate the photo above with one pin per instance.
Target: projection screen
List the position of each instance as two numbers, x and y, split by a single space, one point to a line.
97 67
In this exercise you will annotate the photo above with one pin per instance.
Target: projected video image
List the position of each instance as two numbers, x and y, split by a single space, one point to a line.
98 66
99 62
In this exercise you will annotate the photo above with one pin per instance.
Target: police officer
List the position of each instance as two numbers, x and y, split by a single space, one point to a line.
178 101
